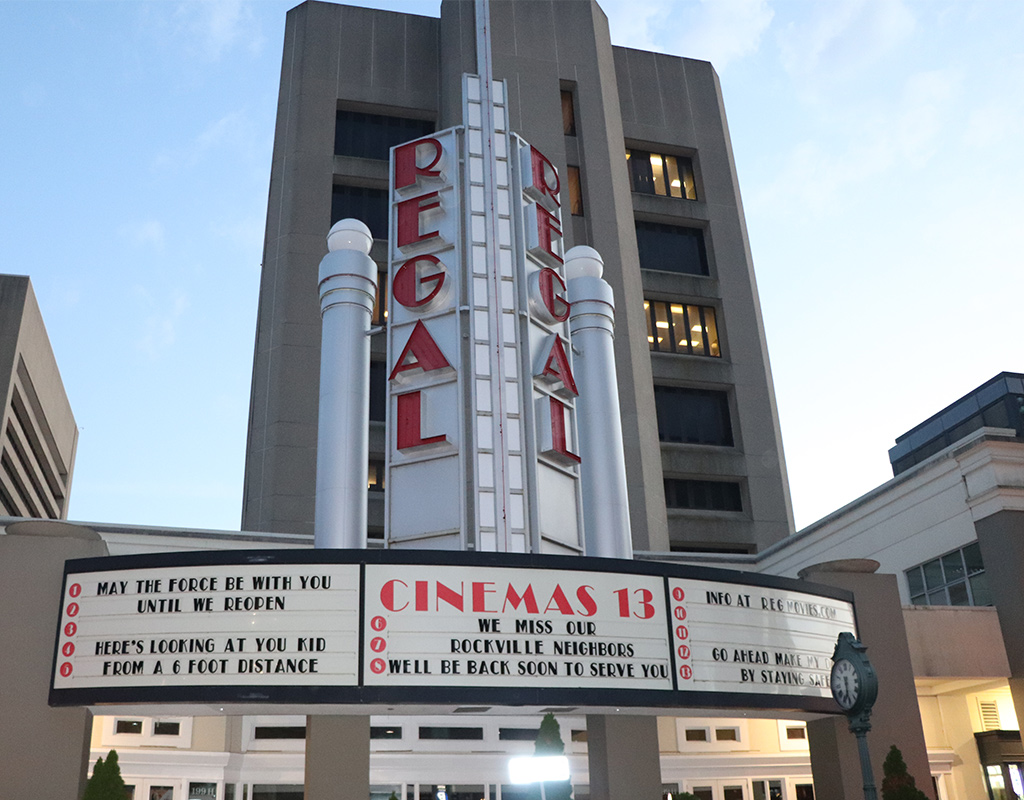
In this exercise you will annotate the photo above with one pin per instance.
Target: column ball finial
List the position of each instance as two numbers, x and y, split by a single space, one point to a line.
582 261
350 234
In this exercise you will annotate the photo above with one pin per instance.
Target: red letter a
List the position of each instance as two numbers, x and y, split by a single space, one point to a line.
420 352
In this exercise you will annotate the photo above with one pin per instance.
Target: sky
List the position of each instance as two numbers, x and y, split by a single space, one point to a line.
878 147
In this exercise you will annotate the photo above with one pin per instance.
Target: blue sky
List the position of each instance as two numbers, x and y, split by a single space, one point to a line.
878 151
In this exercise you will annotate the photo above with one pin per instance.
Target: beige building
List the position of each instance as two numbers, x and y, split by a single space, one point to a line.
39 435
641 142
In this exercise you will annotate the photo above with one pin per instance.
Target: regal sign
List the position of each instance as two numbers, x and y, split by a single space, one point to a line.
482 446
350 631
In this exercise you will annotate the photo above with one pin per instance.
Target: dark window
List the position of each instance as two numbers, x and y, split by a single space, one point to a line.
693 416
682 328
279 732
578 736
166 728
726 735
575 192
955 579
804 791
517 734
452 733
385 732
568 114
671 248
373 135
375 482
277 791
378 391
653 173
703 495
369 206
696 735
128 726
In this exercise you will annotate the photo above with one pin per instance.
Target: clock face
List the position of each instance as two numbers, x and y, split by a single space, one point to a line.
845 683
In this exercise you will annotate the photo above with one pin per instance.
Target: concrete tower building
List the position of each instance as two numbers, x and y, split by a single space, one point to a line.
642 146
39 435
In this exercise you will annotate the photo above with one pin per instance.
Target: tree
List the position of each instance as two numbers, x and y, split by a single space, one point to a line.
106 782
549 743
898 784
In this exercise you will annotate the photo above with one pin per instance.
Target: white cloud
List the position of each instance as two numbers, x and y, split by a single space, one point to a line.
161 321
719 31
219 25
722 31
148 232
842 37
234 132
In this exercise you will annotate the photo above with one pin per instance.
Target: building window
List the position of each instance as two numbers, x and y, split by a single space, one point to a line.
373 135
166 728
702 495
369 206
767 790
517 734
693 416
696 734
463 734
671 248
575 192
380 300
133 726
385 732
568 113
669 176
375 482
378 391
955 579
679 328
279 732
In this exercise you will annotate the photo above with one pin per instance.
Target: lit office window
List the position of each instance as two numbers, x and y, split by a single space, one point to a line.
575 192
375 483
380 299
668 176
568 114
955 579
679 328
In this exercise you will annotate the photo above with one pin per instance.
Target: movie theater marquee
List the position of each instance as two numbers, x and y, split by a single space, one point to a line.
352 628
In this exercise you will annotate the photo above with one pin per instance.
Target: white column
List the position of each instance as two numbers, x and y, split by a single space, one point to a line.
603 467
348 282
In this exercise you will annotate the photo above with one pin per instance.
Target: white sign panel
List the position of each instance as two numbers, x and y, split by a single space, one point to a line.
357 628
280 624
489 626
731 637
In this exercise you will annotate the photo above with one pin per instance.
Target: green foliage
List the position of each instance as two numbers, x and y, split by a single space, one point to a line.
549 738
549 743
393 796
898 784
106 782
685 796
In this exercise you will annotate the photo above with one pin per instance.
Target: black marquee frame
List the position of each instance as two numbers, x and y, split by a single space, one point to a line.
429 695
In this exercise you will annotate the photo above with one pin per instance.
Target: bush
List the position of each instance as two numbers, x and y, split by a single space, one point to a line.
898 784
106 782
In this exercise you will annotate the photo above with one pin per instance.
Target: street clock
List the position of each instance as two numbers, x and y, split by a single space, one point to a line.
854 683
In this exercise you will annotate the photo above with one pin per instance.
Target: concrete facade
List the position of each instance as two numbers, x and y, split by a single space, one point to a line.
622 99
39 435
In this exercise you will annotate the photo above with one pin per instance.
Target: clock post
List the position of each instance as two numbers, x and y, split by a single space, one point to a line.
855 687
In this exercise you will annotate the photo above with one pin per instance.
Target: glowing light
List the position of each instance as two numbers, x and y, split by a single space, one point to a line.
533 769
